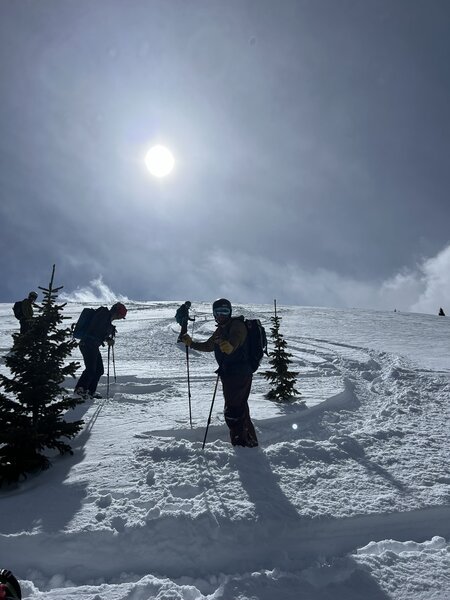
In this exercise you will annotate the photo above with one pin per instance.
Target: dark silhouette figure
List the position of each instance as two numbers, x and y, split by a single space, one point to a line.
99 331
182 317
230 345
26 312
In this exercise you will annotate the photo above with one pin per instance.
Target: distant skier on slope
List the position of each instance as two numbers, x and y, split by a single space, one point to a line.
23 310
98 330
229 344
441 312
182 317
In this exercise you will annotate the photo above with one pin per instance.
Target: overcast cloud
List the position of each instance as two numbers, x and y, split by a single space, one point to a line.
311 141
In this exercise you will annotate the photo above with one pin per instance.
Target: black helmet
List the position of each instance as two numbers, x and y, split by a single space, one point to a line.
188 303
32 295
222 306
10 585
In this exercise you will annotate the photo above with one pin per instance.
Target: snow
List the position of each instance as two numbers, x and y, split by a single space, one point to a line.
347 499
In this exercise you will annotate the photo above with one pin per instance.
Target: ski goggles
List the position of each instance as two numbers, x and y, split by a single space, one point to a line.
221 311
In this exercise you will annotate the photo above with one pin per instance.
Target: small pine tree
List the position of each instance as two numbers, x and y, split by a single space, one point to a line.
31 411
282 379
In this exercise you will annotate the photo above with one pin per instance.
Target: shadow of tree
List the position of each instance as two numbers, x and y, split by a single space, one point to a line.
53 501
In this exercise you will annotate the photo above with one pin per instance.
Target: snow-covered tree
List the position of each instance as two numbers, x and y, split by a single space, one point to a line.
282 379
34 402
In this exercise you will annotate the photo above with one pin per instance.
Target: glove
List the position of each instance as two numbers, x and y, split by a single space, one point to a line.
186 339
226 347
110 341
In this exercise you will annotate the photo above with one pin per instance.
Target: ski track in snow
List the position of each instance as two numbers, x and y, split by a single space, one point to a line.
356 467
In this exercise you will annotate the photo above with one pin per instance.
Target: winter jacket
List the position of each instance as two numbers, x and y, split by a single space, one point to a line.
100 328
234 331
182 315
27 309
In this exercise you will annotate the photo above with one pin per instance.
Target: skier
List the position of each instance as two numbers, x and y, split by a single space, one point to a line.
24 311
99 331
441 312
182 317
229 343
9 586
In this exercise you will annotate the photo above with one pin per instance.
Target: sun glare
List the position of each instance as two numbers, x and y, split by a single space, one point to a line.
159 161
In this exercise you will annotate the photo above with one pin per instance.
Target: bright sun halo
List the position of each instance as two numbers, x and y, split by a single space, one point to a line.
159 161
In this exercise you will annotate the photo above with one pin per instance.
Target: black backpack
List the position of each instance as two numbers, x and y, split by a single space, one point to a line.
82 325
17 309
257 342
180 315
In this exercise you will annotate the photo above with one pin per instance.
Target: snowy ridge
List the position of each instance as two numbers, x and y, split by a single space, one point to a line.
141 512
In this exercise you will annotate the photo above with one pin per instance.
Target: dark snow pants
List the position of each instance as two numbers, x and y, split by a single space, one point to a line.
93 364
184 328
25 325
236 390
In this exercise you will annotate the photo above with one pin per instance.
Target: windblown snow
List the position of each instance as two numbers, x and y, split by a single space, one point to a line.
346 499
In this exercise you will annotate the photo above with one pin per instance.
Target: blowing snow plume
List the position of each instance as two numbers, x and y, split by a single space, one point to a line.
96 292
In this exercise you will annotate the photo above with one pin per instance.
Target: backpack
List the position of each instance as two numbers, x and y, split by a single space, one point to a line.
257 342
180 315
82 325
17 309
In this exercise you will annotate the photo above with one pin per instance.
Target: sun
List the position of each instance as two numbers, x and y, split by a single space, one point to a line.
159 161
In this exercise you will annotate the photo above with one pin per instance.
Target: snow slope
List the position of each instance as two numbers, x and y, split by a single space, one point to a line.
347 499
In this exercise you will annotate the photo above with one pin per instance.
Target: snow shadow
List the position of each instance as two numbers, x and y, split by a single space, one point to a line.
356 452
52 502
261 485
347 580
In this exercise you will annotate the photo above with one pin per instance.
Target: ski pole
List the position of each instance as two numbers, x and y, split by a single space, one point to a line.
189 385
210 412
114 365
107 374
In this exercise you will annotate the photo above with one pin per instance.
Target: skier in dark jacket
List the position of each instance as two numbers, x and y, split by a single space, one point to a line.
27 312
99 331
182 317
229 344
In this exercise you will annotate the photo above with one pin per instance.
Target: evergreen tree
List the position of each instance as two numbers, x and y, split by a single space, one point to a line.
31 411
281 378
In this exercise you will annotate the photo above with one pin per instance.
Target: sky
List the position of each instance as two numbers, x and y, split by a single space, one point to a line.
346 499
311 143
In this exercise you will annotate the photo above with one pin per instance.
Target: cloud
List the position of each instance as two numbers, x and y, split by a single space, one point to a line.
245 278
423 289
435 274
96 292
